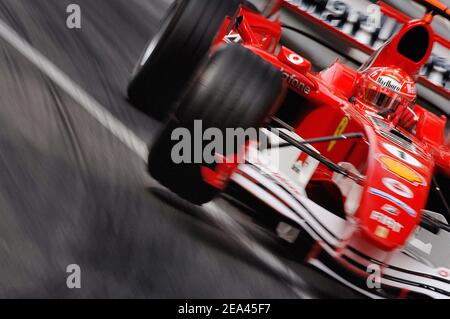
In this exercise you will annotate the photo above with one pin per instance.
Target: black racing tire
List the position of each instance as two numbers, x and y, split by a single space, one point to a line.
235 89
166 65
183 179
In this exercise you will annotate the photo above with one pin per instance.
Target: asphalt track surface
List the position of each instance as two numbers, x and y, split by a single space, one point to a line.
72 192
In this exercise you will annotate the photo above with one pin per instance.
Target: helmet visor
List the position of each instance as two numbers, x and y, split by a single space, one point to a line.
384 100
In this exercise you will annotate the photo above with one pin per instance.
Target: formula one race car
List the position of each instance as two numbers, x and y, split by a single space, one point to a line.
344 158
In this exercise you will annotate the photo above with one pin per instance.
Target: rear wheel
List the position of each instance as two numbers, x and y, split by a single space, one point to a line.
184 38
235 89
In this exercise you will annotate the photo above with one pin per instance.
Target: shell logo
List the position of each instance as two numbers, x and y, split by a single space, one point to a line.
382 232
401 170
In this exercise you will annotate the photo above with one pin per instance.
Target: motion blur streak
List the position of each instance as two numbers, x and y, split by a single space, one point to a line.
92 106
115 127
71 193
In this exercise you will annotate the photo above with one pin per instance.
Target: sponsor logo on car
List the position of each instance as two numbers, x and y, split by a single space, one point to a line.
389 83
401 170
387 221
394 200
382 232
390 209
295 58
411 88
402 155
340 130
398 187
233 38
294 82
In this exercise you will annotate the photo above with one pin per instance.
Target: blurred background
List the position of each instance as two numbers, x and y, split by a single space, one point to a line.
73 193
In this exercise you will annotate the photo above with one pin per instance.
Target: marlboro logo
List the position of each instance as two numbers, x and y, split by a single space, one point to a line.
389 83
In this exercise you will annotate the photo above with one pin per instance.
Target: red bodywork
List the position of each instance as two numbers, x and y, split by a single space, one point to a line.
388 213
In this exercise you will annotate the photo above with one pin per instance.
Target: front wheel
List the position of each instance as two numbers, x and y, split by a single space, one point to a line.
236 89
183 40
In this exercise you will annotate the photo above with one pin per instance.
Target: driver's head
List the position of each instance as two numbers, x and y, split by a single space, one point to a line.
387 89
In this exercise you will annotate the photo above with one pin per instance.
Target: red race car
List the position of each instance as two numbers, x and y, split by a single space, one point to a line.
346 158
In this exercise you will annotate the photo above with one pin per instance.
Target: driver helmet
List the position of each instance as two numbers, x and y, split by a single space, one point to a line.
388 89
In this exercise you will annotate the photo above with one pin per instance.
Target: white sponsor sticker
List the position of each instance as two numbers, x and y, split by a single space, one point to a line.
389 83
402 155
295 58
386 221
390 209
398 187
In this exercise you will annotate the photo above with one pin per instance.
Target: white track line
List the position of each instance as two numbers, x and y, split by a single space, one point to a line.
132 141
94 108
